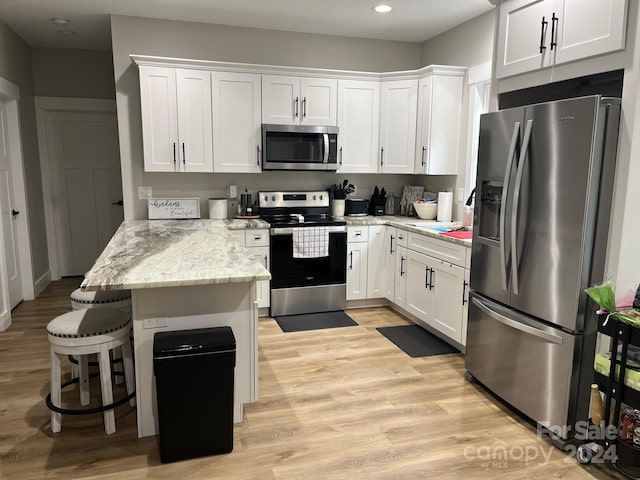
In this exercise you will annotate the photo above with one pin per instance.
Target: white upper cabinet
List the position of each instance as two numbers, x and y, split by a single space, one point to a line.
585 28
236 122
288 100
439 120
534 34
176 119
358 126
398 107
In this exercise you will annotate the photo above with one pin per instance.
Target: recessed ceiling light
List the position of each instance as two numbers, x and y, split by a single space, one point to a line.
66 32
59 21
383 8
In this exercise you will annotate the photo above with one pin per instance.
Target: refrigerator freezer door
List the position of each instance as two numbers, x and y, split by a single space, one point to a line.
527 364
498 149
553 211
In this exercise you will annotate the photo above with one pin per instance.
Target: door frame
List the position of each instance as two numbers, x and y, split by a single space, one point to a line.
45 105
10 96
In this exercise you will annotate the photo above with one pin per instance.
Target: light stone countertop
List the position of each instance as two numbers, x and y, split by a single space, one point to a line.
172 253
402 222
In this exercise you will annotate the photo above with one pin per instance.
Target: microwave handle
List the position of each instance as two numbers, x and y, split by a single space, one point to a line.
325 136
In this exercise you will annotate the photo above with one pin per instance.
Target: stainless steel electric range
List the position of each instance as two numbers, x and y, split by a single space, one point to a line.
308 253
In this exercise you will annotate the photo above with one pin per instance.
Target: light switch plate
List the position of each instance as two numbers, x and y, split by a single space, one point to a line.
144 193
232 191
461 194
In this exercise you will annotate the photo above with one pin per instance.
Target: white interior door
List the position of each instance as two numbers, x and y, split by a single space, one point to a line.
86 185
10 279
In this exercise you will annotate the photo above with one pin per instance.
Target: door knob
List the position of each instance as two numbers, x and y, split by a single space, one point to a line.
119 202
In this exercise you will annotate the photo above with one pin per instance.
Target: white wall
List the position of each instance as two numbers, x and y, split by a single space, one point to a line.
234 44
15 66
64 72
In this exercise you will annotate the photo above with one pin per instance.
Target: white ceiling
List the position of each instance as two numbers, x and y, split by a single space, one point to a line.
410 20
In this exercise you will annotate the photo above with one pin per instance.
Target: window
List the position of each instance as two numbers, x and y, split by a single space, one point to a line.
479 88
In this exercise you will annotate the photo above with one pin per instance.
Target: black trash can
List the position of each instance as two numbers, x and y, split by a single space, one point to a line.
194 372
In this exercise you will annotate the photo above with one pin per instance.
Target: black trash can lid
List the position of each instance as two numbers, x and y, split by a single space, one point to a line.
190 342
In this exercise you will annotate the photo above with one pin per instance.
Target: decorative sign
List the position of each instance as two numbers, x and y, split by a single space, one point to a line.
173 208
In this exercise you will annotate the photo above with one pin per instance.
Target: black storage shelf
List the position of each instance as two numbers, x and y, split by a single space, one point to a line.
624 334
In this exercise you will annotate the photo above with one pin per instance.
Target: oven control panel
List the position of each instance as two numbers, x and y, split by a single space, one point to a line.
294 199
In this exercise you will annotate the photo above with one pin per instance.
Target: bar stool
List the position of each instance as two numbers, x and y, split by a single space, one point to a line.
80 300
81 333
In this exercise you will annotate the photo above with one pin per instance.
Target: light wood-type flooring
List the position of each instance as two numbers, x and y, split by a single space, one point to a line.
340 403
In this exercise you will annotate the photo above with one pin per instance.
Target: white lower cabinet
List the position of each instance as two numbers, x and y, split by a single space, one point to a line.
447 281
357 270
376 262
257 244
399 278
419 293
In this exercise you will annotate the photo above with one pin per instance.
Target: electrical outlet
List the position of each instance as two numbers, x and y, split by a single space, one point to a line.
232 191
154 321
145 193
461 194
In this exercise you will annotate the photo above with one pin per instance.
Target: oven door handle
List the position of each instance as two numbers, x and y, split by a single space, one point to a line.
289 230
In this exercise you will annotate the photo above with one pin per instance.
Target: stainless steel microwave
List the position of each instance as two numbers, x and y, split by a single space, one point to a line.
299 147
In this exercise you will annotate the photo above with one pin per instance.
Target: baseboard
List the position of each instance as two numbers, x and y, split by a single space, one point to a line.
263 312
5 324
42 283
367 303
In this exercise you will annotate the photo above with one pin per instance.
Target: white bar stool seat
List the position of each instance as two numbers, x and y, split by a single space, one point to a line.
84 332
120 299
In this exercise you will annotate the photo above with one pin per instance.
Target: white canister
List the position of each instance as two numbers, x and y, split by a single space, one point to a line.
445 206
217 208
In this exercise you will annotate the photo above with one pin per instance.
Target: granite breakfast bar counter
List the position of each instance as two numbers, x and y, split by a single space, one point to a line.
183 274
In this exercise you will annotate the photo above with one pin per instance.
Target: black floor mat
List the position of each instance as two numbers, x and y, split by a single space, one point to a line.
315 321
415 341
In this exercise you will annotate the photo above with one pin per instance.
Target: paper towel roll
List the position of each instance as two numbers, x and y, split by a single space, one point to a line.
445 206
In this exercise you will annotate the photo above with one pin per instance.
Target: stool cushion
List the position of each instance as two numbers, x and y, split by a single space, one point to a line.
100 296
88 323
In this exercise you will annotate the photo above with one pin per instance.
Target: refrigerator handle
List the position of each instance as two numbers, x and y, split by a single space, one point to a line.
507 176
514 209
549 337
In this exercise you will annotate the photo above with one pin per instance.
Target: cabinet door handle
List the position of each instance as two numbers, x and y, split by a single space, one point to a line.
350 260
258 154
304 107
543 30
257 237
391 248
401 265
426 277
184 156
554 31
265 262
422 159
381 154
464 292
174 155
296 106
431 284
340 155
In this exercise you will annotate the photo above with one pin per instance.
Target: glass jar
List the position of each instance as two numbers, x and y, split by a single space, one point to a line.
391 206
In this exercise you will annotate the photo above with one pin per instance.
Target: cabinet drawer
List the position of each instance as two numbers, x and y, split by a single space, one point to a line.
357 234
441 249
401 238
256 238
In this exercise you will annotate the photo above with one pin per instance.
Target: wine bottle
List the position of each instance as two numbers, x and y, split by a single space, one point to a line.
596 409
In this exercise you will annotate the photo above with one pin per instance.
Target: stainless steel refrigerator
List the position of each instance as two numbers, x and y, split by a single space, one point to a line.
543 201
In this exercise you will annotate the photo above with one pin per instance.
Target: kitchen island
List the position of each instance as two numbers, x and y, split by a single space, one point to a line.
183 274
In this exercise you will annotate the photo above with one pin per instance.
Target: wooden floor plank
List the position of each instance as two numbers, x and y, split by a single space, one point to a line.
342 403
